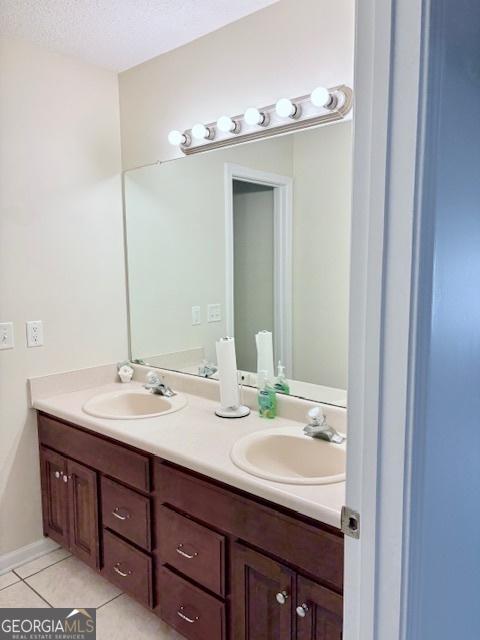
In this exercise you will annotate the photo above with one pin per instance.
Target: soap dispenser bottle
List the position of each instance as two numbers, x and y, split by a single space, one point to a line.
267 398
281 385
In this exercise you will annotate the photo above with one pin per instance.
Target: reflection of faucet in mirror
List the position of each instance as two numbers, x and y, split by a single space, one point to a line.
207 369
155 385
318 427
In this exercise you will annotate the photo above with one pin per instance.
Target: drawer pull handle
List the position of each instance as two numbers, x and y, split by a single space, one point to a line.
117 514
184 554
181 615
117 569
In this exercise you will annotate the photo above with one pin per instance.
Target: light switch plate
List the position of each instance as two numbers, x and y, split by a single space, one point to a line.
34 333
214 313
196 315
7 338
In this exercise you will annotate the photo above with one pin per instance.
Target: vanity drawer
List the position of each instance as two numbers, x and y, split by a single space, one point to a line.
126 512
192 612
128 568
112 459
310 548
192 549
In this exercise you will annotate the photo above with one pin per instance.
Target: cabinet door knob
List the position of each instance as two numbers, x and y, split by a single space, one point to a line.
66 478
117 569
281 597
184 554
117 514
302 610
181 615
57 474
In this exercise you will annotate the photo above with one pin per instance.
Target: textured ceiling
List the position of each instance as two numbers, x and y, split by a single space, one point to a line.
118 34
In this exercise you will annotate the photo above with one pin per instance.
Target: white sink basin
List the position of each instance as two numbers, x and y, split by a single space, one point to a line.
131 404
287 455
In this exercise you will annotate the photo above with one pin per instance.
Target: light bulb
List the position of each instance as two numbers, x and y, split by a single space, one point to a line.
285 108
227 125
253 116
321 97
176 138
200 131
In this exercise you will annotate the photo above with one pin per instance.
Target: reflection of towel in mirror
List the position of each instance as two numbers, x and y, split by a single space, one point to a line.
264 342
227 369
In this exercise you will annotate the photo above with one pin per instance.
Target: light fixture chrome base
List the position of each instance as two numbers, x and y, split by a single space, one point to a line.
306 115
187 142
211 132
297 113
232 412
332 103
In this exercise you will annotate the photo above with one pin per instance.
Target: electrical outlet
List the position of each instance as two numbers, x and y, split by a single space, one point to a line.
196 315
7 339
214 313
34 333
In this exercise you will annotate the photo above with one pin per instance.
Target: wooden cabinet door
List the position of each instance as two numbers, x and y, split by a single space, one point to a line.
53 468
319 612
263 594
83 513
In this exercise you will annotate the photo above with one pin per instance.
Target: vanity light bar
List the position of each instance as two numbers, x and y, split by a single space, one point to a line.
320 107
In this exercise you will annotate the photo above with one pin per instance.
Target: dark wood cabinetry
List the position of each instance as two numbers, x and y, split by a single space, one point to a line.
70 505
53 468
190 610
269 600
128 568
214 562
319 612
262 596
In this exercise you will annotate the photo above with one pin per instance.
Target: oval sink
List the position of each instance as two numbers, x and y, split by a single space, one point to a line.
127 405
287 455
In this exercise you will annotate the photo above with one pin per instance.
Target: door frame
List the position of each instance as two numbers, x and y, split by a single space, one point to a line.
384 289
283 260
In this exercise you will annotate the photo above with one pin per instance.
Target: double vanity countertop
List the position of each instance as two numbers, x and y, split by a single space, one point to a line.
193 437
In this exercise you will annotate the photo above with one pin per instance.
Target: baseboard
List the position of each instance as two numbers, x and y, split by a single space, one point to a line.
14 559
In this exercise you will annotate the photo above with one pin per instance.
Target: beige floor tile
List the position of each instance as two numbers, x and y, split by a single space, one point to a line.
28 569
124 619
7 579
20 595
71 583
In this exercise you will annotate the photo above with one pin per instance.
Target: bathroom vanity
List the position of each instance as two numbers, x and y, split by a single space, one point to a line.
212 560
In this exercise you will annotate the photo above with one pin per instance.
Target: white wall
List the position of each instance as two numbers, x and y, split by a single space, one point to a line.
321 253
253 257
61 251
176 244
285 49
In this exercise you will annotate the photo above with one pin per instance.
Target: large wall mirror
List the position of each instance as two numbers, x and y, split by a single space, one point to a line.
246 240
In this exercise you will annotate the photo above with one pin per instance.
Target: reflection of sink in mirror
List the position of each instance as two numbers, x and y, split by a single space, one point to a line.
128 405
287 455
258 236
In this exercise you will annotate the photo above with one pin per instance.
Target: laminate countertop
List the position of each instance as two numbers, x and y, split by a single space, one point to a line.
195 438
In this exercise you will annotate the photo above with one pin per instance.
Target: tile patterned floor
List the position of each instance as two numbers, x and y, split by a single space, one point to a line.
57 579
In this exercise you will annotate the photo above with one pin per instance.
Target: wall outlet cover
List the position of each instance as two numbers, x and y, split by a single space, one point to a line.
214 313
34 333
7 338
196 315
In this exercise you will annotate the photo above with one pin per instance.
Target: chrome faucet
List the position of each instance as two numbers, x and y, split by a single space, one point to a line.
155 385
318 427
207 369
